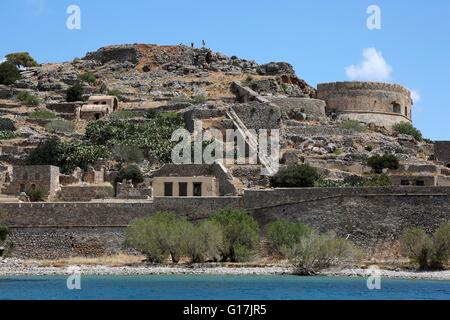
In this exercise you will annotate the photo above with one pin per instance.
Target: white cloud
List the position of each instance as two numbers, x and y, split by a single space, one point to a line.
2 60
415 96
372 68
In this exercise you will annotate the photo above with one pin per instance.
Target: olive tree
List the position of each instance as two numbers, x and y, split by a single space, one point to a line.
240 234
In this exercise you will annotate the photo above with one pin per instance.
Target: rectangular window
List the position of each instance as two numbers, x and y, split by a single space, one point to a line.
197 189
168 189
405 183
420 183
182 187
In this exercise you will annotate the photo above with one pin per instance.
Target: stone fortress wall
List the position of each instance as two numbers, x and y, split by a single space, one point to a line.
381 103
371 216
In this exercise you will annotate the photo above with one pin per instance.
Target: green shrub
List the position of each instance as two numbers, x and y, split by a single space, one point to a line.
3 233
42 114
428 252
7 135
295 176
308 250
77 153
28 99
441 247
159 236
60 126
337 152
369 148
48 152
75 93
36 194
386 161
130 172
153 135
282 235
9 73
116 92
353 125
21 59
88 77
66 155
203 242
381 180
199 99
408 128
315 252
417 246
240 234
123 114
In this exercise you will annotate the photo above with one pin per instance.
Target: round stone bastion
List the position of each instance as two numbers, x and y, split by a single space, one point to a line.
383 104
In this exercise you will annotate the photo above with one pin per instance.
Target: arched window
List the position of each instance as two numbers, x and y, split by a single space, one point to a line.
406 111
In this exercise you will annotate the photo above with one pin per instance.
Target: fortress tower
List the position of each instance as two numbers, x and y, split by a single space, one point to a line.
370 102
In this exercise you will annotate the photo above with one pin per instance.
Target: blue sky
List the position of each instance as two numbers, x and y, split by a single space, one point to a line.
322 39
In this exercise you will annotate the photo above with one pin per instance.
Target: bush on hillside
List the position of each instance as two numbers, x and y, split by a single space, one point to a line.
42 114
408 128
75 93
240 234
60 126
7 134
66 155
130 172
386 161
21 59
28 99
88 77
152 135
36 195
353 125
295 176
9 73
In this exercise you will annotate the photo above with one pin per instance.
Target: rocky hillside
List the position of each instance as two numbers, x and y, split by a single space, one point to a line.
201 84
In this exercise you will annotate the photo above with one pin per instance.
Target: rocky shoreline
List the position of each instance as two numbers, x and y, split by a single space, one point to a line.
16 267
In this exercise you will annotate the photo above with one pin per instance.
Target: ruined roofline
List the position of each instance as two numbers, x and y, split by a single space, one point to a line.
363 85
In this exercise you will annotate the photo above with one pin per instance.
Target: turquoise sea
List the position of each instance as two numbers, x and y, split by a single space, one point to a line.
201 287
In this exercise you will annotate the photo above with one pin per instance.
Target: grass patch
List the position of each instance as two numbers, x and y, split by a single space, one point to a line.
7 135
28 99
60 126
353 125
42 114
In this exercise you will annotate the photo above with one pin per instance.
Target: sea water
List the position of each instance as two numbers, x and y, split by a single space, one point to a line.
209 287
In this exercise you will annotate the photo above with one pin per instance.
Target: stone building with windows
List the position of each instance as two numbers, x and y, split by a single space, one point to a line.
192 180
